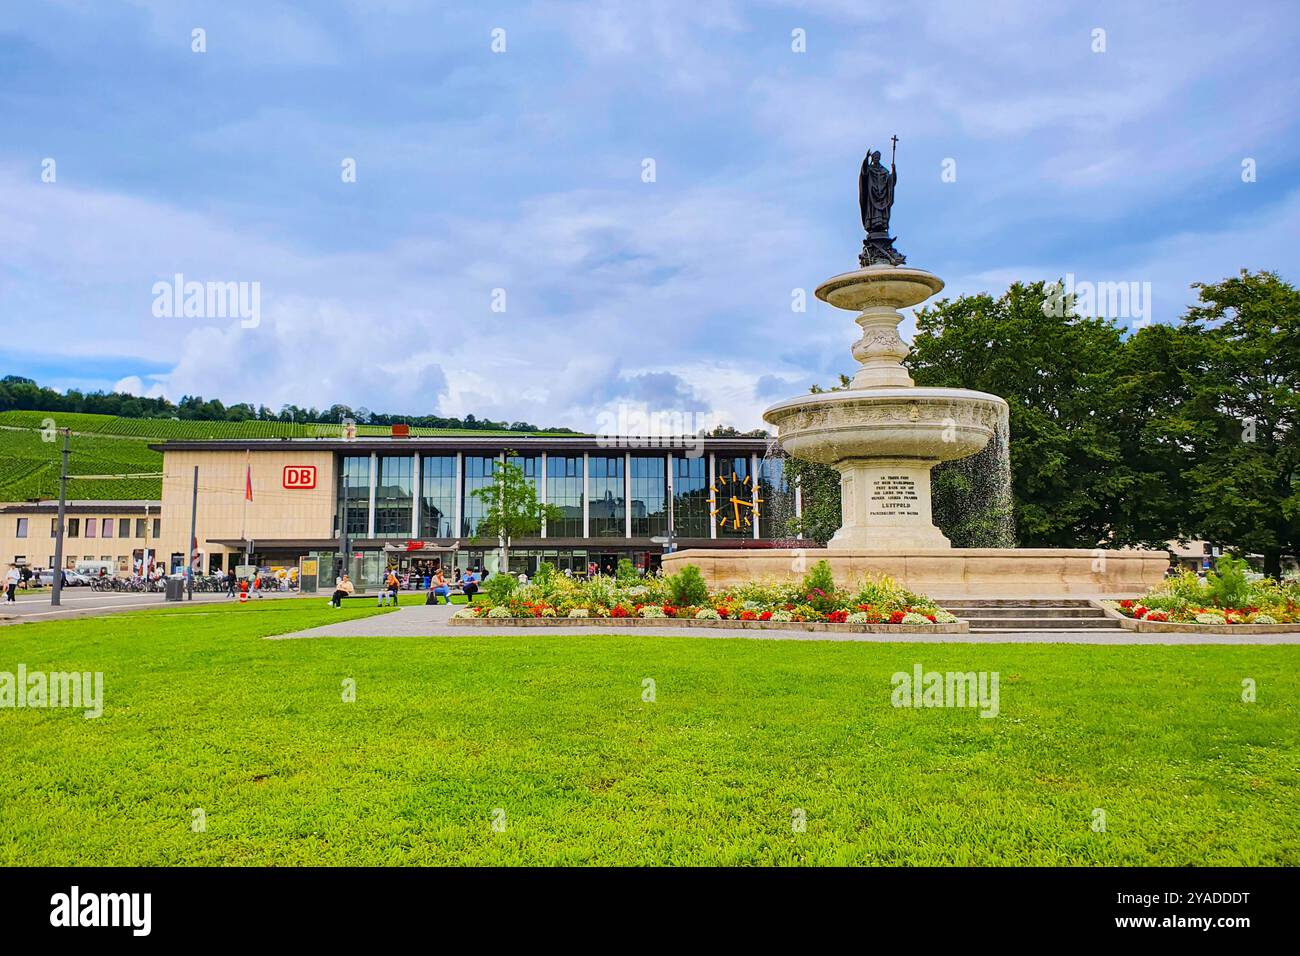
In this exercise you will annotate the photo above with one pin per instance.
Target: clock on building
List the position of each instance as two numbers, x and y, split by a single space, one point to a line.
734 502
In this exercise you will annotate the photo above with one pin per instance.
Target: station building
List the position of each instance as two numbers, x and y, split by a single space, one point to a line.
368 503
406 501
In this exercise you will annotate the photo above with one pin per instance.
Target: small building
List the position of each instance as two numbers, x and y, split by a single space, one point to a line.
113 533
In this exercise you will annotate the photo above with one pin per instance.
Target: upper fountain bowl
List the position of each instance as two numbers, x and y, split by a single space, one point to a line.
895 287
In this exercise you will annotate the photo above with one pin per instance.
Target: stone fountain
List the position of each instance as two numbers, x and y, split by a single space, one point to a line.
883 434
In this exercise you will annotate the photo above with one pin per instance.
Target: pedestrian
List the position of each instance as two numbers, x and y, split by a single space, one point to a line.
342 588
469 585
11 584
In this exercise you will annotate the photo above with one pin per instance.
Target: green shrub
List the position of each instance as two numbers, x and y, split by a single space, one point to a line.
1227 585
819 578
500 587
625 574
687 587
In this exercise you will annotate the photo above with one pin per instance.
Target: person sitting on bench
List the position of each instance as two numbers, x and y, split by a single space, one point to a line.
342 588
438 588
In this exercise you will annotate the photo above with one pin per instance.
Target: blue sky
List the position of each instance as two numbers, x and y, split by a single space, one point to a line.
522 170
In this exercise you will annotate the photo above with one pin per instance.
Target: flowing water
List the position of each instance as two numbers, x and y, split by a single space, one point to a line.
973 504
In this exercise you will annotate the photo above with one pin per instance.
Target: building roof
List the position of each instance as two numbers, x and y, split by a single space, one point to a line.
81 505
615 444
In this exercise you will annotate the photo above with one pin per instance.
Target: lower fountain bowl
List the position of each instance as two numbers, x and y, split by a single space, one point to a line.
927 424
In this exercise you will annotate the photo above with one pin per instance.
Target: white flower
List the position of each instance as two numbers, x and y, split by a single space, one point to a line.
464 613
578 612
944 617
499 612
1265 619
857 617
652 610
1208 617
707 614
913 618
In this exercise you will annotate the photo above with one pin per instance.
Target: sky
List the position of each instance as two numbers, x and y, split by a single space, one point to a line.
567 211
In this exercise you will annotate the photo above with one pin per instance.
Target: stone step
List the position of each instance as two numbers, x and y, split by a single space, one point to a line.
1053 631
968 603
971 614
1043 624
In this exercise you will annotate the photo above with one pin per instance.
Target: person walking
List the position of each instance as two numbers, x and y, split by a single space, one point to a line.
11 584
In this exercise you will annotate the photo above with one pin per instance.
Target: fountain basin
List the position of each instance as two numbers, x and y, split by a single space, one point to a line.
929 424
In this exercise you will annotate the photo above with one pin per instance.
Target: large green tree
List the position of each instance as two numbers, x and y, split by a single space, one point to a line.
1059 374
511 507
1231 409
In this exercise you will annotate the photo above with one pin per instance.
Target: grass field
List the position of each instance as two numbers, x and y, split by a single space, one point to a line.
200 713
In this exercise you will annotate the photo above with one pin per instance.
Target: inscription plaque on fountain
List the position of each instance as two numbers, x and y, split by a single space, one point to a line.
894 495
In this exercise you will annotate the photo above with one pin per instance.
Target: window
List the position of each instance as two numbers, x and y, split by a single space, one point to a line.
605 500
393 496
437 496
777 507
649 496
124 527
354 494
22 527
531 466
54 527
564 490
479 470
139 527
92 527
157 528
74 527
108 528
691 497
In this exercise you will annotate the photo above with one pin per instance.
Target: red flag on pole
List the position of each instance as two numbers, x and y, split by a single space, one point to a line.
248 480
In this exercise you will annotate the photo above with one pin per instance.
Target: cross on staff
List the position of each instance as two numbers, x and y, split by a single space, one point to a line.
893 152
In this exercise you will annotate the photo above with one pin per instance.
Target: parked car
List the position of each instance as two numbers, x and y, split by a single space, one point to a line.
75 579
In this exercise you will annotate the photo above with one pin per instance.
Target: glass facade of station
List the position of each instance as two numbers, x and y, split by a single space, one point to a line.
611 504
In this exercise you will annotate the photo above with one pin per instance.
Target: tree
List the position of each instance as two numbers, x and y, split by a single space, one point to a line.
1235 414
512 508
1059 373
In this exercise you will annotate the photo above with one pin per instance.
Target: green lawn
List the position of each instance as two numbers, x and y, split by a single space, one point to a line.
201 713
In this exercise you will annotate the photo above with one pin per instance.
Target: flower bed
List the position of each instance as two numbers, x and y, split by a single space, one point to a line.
682 600
1230 598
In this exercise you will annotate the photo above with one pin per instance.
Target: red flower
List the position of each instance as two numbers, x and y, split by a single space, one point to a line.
1140 611
765 616
670 611
1126 604
897 617
748 616
619 611
837 617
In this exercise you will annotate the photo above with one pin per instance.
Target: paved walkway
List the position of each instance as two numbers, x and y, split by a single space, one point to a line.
83 602
426 621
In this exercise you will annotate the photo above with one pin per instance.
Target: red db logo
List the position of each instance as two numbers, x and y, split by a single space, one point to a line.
300 476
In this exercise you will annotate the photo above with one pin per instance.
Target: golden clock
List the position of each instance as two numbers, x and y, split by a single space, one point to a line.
734 502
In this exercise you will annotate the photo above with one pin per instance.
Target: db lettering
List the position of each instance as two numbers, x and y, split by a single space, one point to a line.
300 476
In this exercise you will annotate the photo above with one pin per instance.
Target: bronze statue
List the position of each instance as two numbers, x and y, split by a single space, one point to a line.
876 199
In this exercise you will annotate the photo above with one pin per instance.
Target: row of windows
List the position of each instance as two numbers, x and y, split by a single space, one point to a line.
96 527
607 501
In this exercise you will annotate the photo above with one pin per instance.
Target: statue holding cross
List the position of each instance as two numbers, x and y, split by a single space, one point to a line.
876 199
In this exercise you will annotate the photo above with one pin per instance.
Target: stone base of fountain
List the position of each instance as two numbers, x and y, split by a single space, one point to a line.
943 572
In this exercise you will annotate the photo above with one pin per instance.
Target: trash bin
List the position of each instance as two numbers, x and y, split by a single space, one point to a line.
175 589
